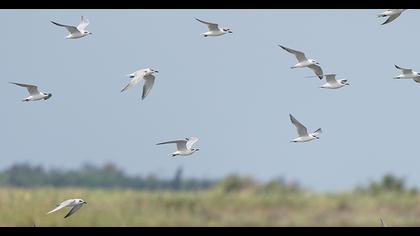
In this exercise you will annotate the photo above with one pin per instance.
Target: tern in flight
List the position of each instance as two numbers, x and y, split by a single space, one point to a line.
303 133
75 205
34 94
76 32
147 75
392 13
183 146
305 62
214 29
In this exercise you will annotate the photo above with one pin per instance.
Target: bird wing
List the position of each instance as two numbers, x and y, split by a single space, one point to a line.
32 89
133 81
391 18
73 210
300 56
404 70
382 223
211 26
83 24
318 131
191 142
61 205
331 78
317 70
301 130
148 85
180 144
71 29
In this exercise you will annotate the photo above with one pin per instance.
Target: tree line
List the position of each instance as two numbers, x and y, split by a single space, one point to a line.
110 176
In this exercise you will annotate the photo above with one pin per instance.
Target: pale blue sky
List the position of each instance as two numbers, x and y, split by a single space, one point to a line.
234 92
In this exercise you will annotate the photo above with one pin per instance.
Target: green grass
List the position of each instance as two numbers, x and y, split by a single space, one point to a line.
122 207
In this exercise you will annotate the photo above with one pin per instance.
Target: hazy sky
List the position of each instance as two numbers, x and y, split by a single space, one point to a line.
234 92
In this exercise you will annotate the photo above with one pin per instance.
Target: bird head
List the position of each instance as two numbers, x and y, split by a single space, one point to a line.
344 81
81 201
150 71
227 30
48 96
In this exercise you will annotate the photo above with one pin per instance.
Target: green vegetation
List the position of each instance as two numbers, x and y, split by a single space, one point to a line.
246 207
232 201
108 176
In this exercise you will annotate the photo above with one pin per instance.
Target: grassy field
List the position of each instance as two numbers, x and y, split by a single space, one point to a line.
25 207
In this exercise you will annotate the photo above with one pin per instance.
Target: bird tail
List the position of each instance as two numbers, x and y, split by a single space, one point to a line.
125 88
318 131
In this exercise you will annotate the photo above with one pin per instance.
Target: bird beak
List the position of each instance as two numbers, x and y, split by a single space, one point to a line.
156 71
130 75
85 202
347 84
230 31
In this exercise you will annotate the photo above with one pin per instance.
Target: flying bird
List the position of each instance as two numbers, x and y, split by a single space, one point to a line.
392 13
147 75
305 62
333 83
183 146
214 29
408 74
75 205
76 32
34 94
303 133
